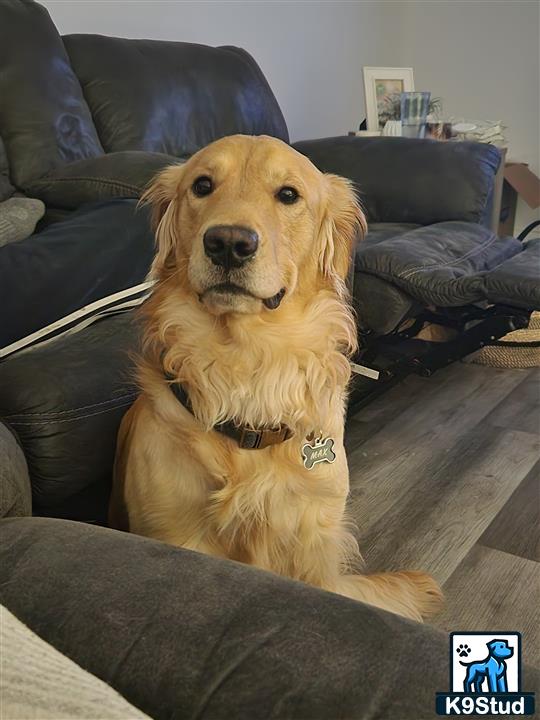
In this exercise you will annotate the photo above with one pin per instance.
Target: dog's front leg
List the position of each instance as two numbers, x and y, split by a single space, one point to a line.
501 683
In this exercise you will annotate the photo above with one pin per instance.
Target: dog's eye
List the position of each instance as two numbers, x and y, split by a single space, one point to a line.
202 186
287 195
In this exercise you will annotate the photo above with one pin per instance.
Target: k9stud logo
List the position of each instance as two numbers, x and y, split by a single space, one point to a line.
485 676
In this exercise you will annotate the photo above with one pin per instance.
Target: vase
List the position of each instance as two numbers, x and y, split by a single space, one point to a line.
414 111
392 128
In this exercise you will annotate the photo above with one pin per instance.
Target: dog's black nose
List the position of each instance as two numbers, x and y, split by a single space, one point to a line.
229 245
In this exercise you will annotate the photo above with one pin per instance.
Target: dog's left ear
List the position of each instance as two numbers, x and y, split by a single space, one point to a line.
343 225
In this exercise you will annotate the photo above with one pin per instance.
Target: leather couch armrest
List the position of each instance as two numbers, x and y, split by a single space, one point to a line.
114 175
65 401
412 181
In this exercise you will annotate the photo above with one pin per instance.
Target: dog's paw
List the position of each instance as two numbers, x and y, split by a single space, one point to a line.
412 594
427 596
463 650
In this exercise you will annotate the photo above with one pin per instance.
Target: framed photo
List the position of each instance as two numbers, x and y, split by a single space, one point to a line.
382 89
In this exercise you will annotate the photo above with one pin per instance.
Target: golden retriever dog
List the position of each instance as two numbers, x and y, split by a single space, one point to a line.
247 338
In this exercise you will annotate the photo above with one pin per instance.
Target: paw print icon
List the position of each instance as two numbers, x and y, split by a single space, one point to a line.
463 650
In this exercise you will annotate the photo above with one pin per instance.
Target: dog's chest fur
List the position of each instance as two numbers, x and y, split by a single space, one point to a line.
253 506
260 372
256 373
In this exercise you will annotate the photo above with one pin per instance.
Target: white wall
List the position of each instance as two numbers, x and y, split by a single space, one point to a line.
311 52
480 56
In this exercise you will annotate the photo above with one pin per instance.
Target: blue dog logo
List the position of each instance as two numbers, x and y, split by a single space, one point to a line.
492 668
485 676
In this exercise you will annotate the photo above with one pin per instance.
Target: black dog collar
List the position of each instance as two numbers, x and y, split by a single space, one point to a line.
246 438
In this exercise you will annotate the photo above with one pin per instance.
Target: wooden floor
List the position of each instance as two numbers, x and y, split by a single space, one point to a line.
445 477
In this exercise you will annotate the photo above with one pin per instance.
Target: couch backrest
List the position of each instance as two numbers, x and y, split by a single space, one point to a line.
68 99
404 180
171 97
44 119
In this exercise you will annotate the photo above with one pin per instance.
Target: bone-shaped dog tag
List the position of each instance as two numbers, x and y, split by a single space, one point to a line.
318 451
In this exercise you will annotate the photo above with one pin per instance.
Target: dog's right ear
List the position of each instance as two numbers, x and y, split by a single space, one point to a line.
343 224
161 194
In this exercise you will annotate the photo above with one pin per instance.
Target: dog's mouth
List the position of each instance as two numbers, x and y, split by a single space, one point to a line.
228 288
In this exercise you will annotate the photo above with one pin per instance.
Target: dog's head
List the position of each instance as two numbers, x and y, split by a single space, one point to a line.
500 649
248 221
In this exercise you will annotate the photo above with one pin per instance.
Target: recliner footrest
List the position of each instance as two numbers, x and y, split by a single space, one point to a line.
516 281
448 264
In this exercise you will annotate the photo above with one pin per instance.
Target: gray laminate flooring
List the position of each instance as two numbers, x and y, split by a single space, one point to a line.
445 477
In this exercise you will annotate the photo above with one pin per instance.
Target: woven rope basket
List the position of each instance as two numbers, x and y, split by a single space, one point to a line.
518 349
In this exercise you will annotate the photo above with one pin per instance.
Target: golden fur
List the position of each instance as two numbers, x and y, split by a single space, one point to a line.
178 480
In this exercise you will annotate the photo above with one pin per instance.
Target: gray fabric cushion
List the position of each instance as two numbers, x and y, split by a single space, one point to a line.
18 218
183 635
15 492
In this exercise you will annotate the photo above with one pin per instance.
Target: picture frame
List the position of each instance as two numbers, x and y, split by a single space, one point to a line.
379 84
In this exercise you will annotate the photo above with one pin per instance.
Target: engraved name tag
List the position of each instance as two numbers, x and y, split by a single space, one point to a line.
318 451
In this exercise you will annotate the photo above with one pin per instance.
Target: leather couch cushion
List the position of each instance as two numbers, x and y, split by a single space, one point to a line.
516 282
400 180
171 97
378 232
442 264
379 305
62 273
65 401
44 119
118 174
447 265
